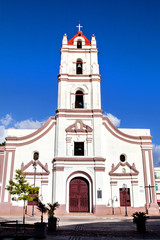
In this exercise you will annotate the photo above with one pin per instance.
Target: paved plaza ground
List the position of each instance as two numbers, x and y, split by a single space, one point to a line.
85 227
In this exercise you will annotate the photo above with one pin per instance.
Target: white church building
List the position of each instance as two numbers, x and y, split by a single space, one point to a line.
78 157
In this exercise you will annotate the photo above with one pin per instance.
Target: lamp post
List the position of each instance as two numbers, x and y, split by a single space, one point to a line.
124 189
116 199
34 166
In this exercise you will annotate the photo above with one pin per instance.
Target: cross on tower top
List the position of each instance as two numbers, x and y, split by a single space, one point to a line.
79 26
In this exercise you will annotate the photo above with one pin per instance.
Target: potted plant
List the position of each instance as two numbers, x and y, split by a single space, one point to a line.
140 219
52 221
40 227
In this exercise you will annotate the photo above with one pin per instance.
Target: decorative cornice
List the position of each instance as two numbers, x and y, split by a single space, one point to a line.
79 110
133 168
99 169
79 113
80 159
75 50
61 169
79 80
79 128
69 75
113 182
79 116
45 168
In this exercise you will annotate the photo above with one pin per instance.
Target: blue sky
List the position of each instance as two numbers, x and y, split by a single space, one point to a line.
128 39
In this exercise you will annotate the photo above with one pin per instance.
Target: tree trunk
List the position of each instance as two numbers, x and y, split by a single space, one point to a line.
24 213
42 218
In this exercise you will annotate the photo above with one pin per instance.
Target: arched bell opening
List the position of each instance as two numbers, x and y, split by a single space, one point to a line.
79 103
79 44
79 66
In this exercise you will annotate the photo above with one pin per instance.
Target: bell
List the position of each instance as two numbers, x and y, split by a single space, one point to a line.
79 65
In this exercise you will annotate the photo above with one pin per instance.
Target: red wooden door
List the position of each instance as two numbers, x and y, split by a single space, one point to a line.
79 195
125 196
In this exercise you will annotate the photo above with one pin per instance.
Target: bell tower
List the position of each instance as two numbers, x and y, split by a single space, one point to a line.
79 98
79 79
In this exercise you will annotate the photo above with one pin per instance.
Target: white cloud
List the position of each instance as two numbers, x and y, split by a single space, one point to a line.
113 119
6 120
26 124
156 155
29 124
2 134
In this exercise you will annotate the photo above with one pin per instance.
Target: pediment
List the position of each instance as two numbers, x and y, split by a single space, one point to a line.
41 169
79 126
123 169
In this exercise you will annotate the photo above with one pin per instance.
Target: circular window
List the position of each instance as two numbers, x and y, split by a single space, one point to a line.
122 158
36 156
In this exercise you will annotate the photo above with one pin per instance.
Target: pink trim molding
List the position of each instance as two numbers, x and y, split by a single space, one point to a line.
134 182
58 168
1 166
80 172
26 137
79 80
34 133
2 148
113 182
45 168
122 136
99 169
152 177
145 178
79 116
114 168
76 159
83 127
5 173
44 181
79 111
79 75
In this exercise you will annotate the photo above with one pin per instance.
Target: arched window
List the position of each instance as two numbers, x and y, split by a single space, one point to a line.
79 44
79 66
79 100
35 156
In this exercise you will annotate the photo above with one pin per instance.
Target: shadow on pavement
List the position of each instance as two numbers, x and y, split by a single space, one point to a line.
124 229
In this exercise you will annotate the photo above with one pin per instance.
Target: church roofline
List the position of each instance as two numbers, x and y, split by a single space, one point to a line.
79 34
30 138
142 140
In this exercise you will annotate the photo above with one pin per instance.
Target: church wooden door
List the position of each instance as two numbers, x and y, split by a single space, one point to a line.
79 195
125 197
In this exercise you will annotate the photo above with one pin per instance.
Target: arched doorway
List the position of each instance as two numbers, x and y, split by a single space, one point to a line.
79 195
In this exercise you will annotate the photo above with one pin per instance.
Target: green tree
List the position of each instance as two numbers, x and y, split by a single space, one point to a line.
3 143
22 190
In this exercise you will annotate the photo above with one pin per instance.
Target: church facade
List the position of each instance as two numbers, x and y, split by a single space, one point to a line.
79 158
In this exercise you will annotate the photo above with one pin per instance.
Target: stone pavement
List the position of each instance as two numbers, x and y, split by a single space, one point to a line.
90 227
